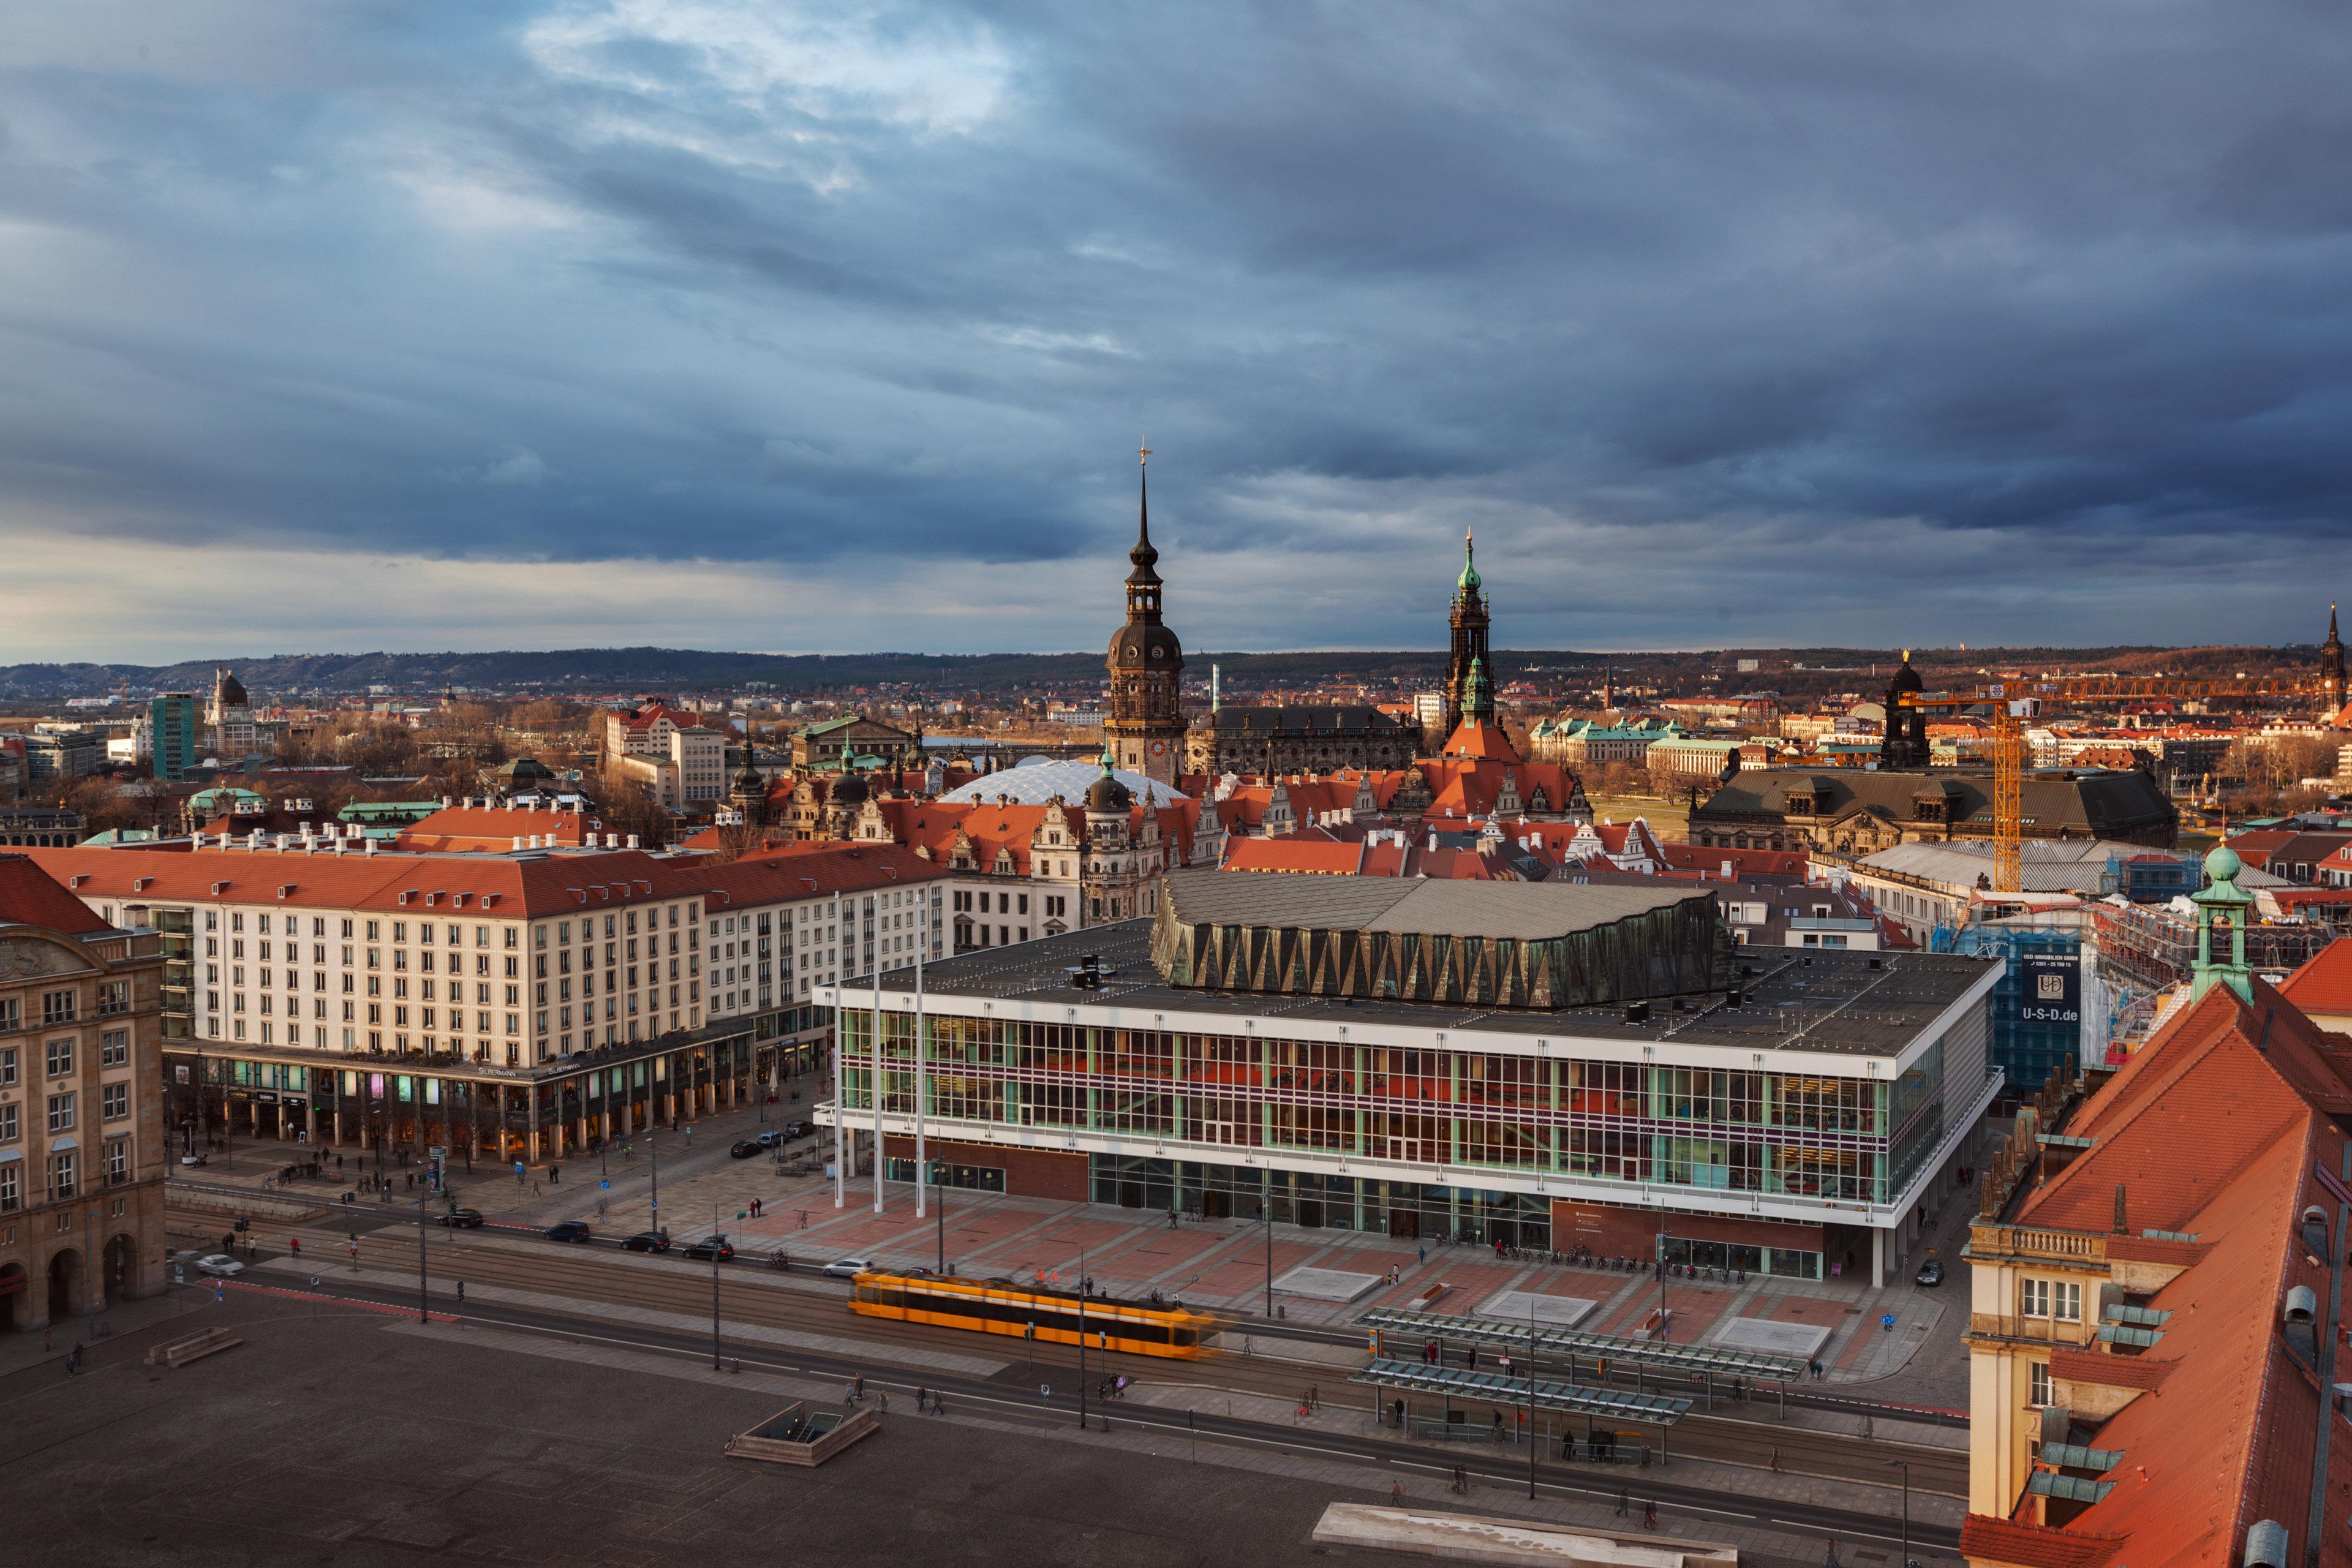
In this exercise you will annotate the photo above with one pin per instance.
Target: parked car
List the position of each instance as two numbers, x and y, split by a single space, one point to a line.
1930 1273
219 1264
849 1267
646 1241
569 1230
711 1246
463 1219
744 1150
769 1139
797 1129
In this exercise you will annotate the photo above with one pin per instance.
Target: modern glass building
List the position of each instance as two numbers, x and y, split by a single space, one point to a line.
1774 1110
172 723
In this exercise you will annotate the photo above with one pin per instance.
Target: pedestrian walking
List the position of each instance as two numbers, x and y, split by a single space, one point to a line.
554 1174
1423 1253
883 1396
1622 1497
922 1397
939 1405
1776 1460
1650 1516
294 1246
73 1359
858 1384
849 1394
47 1329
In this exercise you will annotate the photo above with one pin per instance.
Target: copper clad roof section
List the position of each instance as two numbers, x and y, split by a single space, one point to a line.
1517 911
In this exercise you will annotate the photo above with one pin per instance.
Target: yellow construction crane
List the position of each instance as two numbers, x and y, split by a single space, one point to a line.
2015 701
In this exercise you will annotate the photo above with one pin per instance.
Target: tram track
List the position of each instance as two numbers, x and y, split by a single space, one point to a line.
1504 1468
606 1277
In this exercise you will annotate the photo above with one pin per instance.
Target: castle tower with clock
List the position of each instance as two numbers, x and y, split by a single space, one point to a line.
1145 729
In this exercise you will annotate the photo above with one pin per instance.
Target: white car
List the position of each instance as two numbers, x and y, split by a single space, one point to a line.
849 1267
219 1264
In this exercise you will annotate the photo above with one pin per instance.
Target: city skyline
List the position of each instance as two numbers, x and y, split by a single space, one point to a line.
576 324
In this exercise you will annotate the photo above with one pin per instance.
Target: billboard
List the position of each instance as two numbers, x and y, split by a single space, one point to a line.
2052 988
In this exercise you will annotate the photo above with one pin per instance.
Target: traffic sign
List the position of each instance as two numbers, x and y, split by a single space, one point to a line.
606 1185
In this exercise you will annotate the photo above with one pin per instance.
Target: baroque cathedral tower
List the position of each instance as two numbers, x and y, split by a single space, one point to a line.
1145 730
1464 698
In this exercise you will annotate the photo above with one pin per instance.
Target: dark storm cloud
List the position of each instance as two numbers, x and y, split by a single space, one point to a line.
1649 294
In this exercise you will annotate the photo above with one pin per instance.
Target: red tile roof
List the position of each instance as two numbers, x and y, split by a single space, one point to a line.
29 896
459 828
1988 1540
1296 855
2323 983
494 885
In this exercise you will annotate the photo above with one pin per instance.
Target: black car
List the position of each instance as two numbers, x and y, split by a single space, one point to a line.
569 1230
797 1129
463 1219
711 1246
1930 1273
744 1150
646 1241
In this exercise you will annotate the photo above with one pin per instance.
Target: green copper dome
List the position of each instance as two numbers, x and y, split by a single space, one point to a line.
1469 581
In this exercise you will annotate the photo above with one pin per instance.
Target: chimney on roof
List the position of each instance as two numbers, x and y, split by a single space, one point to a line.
633 841
2123 1212
370 846
518 841
445 803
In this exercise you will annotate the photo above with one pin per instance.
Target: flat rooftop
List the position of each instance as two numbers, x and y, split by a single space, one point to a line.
1848 1004
1519 911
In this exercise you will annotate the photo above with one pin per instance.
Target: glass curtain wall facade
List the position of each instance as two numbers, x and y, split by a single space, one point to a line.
1840 1139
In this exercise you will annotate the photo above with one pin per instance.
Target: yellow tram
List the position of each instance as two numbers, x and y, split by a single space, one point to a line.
999 1307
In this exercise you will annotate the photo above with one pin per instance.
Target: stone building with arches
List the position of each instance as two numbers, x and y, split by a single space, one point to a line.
81 1118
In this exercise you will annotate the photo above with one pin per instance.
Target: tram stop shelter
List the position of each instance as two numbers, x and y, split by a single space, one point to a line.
1452 1383
1704 1366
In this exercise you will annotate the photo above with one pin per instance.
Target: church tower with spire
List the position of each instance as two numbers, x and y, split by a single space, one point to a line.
2331 665
1144 730
1469 648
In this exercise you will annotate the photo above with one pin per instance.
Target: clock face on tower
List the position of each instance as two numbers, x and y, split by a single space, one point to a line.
1159 748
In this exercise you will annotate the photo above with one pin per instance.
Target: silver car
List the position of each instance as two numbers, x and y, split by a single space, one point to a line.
849 1267
219 1264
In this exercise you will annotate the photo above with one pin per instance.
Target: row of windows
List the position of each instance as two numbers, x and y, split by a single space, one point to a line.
65 1176
58 1056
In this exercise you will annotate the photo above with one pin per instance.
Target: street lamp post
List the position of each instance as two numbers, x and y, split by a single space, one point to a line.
939 1200
653 1154
1531 1398
1662 1279
1905 1466
424 1300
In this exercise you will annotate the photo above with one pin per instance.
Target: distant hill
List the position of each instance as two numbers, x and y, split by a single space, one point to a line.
612 670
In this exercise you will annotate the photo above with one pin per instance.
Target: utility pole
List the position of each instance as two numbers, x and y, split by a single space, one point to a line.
941 1202
653 1152
1082 1339
1905 1469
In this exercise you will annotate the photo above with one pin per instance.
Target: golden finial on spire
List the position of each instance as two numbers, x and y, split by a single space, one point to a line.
1143 455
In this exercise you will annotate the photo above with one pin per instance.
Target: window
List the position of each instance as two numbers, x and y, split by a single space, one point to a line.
117 1162
2040 1393
114 1101
114 1048
12 1190
2040 1297
61 1057
11 1128
57 1007
62 1183
61 1112
8 1068
11 1015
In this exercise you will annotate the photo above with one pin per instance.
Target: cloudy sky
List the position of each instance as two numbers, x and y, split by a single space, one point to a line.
835 326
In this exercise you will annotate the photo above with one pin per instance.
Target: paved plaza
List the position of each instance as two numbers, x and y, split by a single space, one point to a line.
339 1435
1216 1264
